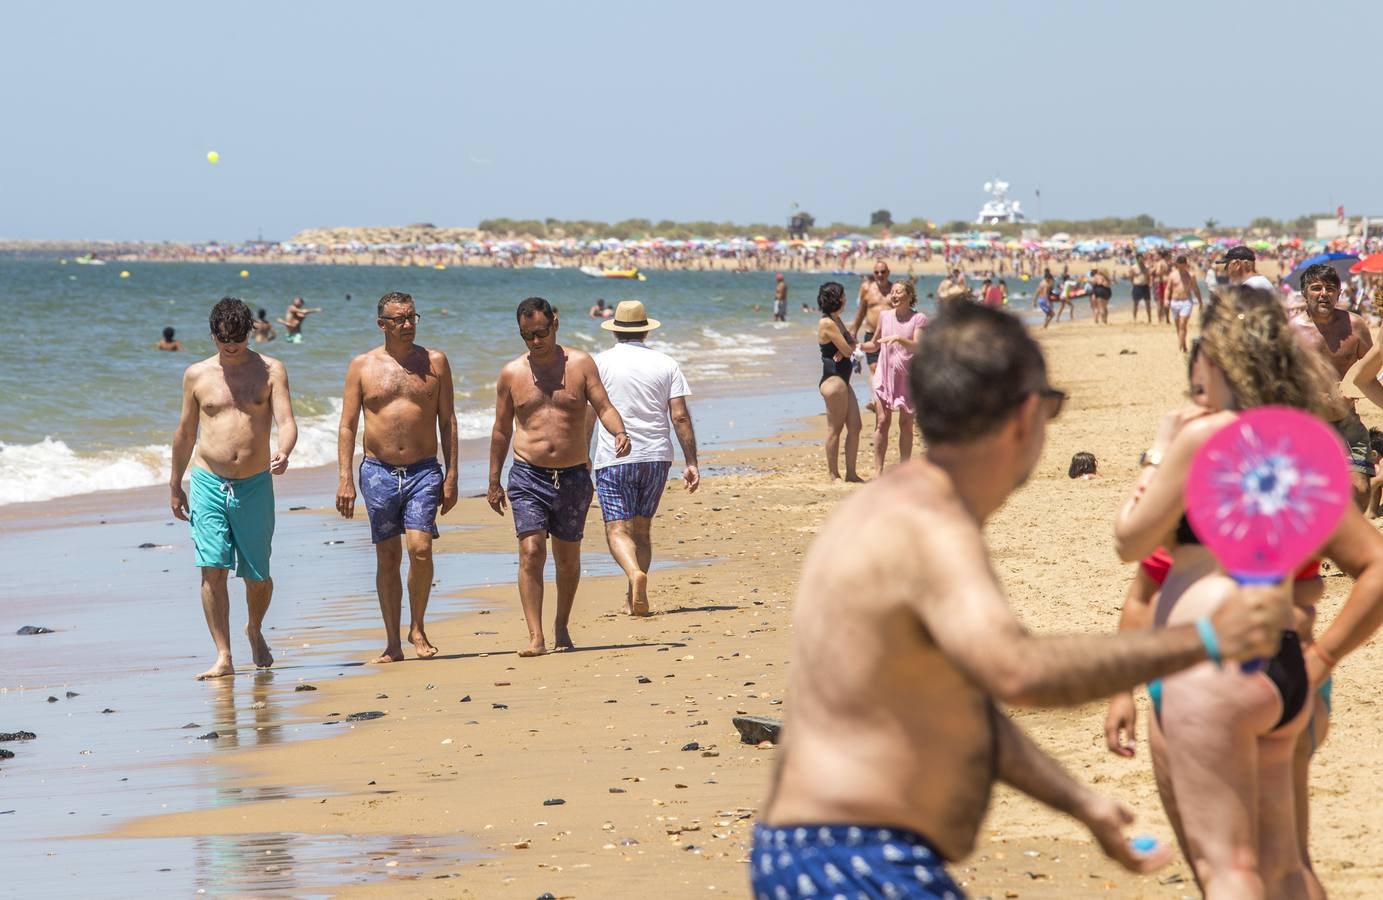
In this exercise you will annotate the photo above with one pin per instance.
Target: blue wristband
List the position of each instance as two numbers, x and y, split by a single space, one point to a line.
1209 640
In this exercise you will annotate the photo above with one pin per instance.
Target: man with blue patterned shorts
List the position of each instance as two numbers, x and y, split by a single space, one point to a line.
545 394
648 389
406 392
230 404
904 646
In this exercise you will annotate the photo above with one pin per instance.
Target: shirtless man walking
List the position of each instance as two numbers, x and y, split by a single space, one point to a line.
904 646
1181 287
546 392
293 318
230 402
873 300
406 392
1142 291
1343 338
1162 270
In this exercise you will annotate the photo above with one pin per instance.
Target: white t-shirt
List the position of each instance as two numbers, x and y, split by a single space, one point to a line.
1260 282
640 382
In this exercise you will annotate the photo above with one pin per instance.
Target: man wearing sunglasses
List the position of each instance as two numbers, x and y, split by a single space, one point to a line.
230 403
545 393
406 392
904 647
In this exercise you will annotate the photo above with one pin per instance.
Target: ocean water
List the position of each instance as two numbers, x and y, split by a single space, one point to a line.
87 404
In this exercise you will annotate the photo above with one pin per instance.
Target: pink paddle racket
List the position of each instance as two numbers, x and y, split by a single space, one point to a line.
1265 492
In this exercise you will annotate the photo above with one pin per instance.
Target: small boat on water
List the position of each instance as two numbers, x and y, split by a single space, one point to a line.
546 263
597 272
87 259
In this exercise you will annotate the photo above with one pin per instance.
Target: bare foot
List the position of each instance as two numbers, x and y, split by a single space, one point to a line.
854 479
563 640
390 655
259 648
640 608
421 645
223 667
537 648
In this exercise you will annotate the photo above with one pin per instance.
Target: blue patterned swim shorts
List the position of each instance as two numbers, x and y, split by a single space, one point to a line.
551 500
830 861
634 489
399 498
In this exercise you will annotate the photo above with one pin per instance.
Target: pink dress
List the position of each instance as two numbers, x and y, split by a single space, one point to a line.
891 371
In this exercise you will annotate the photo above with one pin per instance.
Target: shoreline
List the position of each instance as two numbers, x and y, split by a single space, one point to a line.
719 644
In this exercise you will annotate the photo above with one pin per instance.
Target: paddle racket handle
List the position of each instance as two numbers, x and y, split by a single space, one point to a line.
1253 666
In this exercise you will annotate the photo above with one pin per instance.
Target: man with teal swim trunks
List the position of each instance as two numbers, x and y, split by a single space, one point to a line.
230 402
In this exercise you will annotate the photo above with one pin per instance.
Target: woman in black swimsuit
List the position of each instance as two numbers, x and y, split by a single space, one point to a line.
842 409
1224 740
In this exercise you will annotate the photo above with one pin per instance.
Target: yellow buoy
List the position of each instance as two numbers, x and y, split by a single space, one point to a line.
212 156
244 273
124 274
439 266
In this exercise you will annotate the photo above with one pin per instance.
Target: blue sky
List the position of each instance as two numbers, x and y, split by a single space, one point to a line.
352 114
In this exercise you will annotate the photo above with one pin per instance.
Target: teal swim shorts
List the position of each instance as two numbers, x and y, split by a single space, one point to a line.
233 522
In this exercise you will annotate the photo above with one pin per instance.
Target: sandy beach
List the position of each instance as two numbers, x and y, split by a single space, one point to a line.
633 733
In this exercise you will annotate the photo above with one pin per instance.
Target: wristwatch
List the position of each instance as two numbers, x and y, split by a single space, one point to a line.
1150 457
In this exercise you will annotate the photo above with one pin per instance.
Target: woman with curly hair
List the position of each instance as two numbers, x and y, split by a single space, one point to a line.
1223 739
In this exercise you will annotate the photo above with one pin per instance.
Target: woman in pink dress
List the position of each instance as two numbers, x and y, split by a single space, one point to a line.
896 341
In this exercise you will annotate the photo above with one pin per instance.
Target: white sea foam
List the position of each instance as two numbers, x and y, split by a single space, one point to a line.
51 468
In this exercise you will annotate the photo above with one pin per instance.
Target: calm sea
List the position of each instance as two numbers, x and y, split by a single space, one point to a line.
87 404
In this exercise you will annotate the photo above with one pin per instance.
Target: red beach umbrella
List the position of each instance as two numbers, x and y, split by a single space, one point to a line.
1370 265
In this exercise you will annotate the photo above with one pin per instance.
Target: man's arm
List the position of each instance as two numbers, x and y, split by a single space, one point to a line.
1023 765
862 309
500 436
184 439
604 409
446 429
1366 375
964 609
351 398
686 436
281 401
1357 548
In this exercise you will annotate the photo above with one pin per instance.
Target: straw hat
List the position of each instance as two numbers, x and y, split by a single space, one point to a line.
630 316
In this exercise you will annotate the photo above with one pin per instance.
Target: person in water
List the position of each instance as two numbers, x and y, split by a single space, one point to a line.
168 343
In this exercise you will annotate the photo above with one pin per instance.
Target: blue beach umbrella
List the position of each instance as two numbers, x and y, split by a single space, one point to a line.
1340 262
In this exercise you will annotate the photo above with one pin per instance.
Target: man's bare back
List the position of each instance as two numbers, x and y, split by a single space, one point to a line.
919 753
549 406
402 402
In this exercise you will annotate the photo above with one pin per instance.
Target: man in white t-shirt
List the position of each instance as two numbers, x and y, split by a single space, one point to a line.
648 390
1240 263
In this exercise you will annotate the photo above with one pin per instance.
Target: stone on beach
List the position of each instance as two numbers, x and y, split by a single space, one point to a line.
8 736
6 754
757 729
305 687
364 716
34 629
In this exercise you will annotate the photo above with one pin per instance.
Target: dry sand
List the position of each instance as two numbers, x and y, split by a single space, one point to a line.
645 817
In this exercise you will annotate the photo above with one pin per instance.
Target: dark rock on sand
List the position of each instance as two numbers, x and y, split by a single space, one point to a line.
209 736
546 895
757 729
7 736
554 801
465 699
70 694
365 716
305 687
644 679
691 746
107 710
34 629
192 725
6 754
52 699
617 790
296 508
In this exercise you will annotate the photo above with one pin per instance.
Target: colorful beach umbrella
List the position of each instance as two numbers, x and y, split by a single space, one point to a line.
1369 265
1342 263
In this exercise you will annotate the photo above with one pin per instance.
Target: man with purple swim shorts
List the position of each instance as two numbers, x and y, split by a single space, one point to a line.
406 392
546 392
650 393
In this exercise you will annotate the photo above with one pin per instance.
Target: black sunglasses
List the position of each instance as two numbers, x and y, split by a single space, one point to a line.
1055 400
